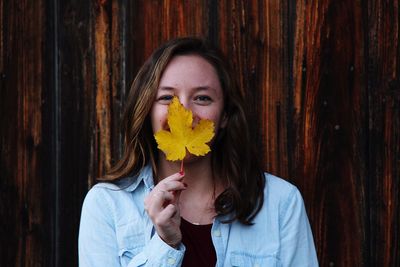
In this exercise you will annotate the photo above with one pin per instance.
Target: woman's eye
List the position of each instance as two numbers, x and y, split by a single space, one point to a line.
203 99
165 99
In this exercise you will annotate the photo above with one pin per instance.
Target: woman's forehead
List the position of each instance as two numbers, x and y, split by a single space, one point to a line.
189 71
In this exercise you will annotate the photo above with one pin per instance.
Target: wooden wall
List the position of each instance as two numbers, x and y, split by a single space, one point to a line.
322 76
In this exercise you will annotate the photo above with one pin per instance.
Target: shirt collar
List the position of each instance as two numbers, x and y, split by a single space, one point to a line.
132 182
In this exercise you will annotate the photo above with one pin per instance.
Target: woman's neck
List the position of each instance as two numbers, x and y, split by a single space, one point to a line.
197 201
198 171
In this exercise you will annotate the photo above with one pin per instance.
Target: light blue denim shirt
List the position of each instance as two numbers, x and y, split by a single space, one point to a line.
116 231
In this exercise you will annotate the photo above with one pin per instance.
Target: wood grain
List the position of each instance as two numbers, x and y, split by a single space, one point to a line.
161 21
253 34
328 117
22 187
102 47
321 79
78 141
383 134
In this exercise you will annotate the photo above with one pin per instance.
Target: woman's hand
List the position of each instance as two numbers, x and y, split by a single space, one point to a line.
162 207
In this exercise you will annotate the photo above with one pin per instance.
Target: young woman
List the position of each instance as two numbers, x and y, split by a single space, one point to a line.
222 210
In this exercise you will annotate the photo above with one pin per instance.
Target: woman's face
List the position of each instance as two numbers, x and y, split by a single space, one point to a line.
195 82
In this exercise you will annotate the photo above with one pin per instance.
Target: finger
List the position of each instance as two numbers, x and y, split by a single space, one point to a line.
167 214
158 200
162 195
172 185
174 177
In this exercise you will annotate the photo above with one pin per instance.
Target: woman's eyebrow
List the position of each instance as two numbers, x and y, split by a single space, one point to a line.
197 88
205 88
166 88
200 88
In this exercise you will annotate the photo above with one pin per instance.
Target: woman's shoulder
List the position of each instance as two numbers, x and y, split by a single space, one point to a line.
114 200
113 193
104 190
125 184
102 194
278 185
280 192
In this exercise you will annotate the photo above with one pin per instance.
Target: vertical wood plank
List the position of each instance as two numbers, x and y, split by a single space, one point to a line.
102 48
328 93
154 22
384 135
2 27
91 84
118 73
22 187
320 77
109 45
78 149
253 35
275 86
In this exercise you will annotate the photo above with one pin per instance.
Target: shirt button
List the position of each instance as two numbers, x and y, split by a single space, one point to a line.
256 265
171 261
217 233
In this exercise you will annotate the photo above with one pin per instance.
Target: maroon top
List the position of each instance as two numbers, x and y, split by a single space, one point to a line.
200 250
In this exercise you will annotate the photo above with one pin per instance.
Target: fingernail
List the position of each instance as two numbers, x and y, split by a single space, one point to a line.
181 173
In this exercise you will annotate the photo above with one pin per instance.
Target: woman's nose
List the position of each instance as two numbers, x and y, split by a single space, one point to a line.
185 102
196 120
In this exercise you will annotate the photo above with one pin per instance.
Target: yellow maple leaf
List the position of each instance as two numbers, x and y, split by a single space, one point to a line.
182 136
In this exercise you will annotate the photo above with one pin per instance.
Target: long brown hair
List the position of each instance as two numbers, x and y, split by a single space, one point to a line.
234 158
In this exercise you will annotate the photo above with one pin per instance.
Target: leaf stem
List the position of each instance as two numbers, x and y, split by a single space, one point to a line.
181 171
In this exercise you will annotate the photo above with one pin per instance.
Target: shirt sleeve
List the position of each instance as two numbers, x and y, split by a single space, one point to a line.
158 253
98 244
297 244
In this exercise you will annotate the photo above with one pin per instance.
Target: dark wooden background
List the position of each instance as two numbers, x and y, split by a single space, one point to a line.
322 76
